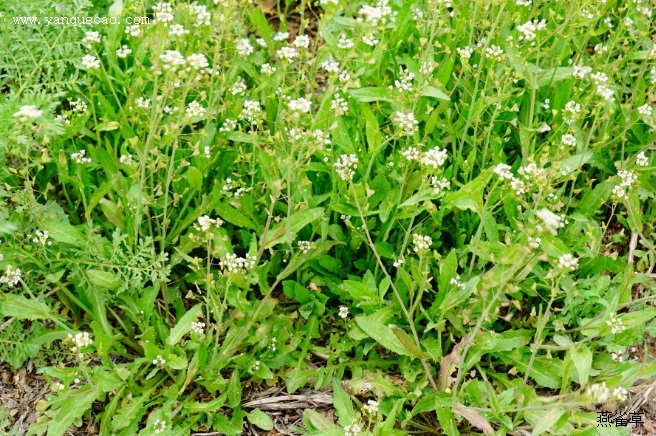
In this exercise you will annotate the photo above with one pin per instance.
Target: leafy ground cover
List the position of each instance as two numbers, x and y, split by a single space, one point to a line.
328 218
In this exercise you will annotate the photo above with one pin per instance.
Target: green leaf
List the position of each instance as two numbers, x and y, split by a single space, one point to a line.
20 307
234 216
407 341
194 178
447 421
316 421
431 91
582 358
62 231
357 290
546 419
184 325
343 404
370 94
382 334
76 403
260 419
296 222
104 279
553 75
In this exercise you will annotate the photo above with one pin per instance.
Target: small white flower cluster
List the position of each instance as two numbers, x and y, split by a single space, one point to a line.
569 140
534 242
198 328
343 311
641 159
287 54
381 13
371 407
205 223
123 52
427 68
405 84
305 246
616 325
63 118
238 88
159 361
344 42
256 365
600 80
126 159
598 392
244 47
201 16
439 185
339 105
346 165
91 37
628 178
354 429
229 125
163 13
580 72
273 345
552 221
78 106
370 39
421 242
251 111
620 394
465 53
194 109
567 262
302 41
12 276
645 110
457 283
618 357
172 60
90 62
300 106
159 426
503 171
80 158
406 122
27 113
494 52
410 153
143 103
267 69
234 264
177 30
529 29
572 109
42 237
80 340
133 30
434 157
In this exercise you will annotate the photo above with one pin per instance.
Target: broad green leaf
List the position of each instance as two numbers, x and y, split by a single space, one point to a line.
20 307
370 94
553 75
431 91
316 421
194 178
407 341
77 402
382 334
260 420
184 325
582 358
234 216
286 230
64 232
343 404
447 421
104 279
545 419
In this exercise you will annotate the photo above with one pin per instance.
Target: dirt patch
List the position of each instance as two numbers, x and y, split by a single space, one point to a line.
20 391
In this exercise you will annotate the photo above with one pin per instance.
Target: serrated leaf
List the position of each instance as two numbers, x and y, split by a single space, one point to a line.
382 334
20 307
184 325
582 358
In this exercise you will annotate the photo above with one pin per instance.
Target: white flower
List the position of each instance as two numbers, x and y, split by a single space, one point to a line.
645 110
381 13
567 262
12 276
172 60
410 153
159 426
528 30
503 171
134 30
90 62
434 157
201 16
287 54
229 125
573 109
159 361
353 430
251 111
344 76
641 159
299 106
256 365
91 37
421 242
194 109
620 394
618 357
234 264
198 328
302 41
580 72
616 325
457 283
163 13
628 178
330 66
494 52
598 393
123 52
551 220
126 159
371 407
267 69
143 103
426 68
79 341
239 87
370 39
177 30
305 246
205 223
42 237
244 47
63 118
281 36
78 106
80 158
197 61
534 242
406 122
339 105
439 184
405 84
344 42
346 165
26 113
343 311
569 140
465 53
